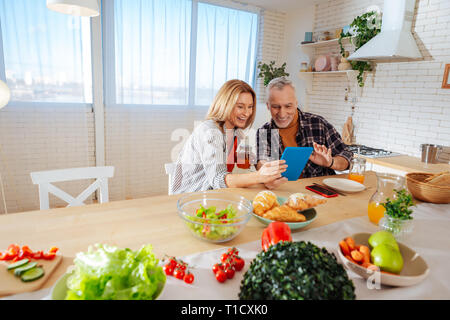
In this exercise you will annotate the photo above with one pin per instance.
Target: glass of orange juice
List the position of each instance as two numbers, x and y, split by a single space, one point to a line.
386 186
375 211
357 169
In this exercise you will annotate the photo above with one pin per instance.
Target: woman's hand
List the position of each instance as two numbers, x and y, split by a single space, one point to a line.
270 171
276 183
321 155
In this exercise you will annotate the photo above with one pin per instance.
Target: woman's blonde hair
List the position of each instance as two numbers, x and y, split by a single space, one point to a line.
225 100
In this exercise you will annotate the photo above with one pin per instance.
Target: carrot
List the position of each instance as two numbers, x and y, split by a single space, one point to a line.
370 266
350 243
365 252
357 256
344 248
392 274
351 259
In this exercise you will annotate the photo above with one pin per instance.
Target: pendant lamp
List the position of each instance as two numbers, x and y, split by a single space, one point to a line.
83 8
5 94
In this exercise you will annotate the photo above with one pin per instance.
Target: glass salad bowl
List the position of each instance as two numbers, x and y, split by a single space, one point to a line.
214 216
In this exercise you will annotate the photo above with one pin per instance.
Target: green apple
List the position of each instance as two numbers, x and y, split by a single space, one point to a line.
387 257
383 237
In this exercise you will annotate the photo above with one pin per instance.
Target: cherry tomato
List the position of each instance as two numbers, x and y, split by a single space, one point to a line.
233 251
221 276
179 274
173 263
224 257
181 266
189 278
168 269
230 273
238 263
217 267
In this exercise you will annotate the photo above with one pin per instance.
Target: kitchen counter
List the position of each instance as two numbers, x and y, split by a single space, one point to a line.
152 220
408 164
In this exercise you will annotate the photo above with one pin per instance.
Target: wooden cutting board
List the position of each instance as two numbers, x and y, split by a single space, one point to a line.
10 284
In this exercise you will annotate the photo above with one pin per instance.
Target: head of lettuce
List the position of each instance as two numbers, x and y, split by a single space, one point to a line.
111 273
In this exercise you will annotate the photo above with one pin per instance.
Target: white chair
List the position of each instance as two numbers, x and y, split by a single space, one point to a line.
170 167
44 180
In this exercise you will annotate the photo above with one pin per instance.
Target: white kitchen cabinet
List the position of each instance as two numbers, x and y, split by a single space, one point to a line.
381 169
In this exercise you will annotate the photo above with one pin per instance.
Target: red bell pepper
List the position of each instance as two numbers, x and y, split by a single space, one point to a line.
275 232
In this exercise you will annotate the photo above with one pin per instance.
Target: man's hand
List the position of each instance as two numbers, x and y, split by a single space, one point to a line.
321 155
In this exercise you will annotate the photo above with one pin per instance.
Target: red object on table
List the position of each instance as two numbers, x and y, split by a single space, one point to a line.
275 232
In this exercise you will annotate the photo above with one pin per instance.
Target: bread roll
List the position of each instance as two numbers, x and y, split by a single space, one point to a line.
264 201
301 201
284 214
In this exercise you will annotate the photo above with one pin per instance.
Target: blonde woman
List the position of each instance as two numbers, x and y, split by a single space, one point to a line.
209 155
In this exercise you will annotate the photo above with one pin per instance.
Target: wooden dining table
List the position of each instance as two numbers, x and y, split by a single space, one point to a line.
154 220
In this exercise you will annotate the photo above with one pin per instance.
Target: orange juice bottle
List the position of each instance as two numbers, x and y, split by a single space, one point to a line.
375 211
356 177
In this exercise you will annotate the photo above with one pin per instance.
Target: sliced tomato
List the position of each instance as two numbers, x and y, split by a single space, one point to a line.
7 256
53 250
38 255
27 252
49 256
13 249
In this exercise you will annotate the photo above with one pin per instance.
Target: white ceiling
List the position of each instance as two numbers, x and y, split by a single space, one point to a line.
282 5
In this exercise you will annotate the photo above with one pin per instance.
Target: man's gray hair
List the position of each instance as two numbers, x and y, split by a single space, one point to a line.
278 83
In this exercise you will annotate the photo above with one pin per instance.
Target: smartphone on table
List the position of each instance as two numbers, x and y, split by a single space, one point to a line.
322 191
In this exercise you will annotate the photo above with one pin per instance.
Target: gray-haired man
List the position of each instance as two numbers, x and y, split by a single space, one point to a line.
291 127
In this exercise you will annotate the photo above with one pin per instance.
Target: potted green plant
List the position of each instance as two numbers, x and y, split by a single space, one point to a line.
269 71
397 217
362 29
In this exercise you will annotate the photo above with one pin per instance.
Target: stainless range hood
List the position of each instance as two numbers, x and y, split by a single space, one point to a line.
395 40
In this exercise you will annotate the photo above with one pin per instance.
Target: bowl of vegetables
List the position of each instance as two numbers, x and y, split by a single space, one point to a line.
214 216
107 272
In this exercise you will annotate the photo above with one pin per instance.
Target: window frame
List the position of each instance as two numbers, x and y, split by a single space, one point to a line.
109 53
106 72
88 107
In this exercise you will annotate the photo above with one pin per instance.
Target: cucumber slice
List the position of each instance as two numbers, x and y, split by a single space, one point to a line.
32 274
21 270
17 264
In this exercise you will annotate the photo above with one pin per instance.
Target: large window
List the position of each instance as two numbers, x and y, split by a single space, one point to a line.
46 55
176 52
226 44
156 52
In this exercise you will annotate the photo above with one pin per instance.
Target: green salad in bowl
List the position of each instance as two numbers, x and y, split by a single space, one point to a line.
108 272
214 216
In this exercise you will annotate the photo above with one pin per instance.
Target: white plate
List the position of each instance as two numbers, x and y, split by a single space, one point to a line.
344 185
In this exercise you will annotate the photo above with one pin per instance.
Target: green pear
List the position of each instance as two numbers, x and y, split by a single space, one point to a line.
387 257
383 237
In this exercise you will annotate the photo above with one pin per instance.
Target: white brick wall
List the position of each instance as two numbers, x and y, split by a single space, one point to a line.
42 138
402 104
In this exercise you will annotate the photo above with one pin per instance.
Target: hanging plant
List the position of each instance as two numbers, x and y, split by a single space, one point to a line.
362 29
269 71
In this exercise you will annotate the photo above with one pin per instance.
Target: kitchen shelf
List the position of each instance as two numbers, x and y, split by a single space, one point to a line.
323 43
350 74
310 48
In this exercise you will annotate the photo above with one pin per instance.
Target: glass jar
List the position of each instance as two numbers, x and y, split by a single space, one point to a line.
398 227
304 67
386 183
357 169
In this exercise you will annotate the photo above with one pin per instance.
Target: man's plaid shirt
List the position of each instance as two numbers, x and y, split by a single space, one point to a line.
312 128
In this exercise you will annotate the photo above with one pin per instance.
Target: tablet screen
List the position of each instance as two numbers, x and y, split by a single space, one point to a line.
296 159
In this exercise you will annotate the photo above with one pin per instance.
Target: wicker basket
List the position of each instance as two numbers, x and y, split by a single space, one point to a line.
425 191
